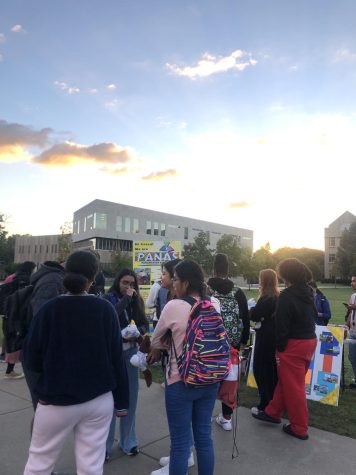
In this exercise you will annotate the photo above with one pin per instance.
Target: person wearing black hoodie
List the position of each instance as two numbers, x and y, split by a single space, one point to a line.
222 288
296 342
47 284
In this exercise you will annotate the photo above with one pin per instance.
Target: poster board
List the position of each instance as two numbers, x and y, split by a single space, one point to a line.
322 381
148 257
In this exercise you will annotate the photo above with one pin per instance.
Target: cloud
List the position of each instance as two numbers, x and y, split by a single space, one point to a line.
112 105
344 54
115 171
209 64
2 38
17 29
111 87
69 153
93 90
13 134
63 86
160 175
239 205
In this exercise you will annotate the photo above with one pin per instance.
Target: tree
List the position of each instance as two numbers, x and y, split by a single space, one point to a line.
65 241
229 245
120 260
313 258
199 251
345 262
248 266
263 258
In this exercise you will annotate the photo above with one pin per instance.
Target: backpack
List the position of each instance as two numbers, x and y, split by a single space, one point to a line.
5 291
206 351
161 300
229 310
18 316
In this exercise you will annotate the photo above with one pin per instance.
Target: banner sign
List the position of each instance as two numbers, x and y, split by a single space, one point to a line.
322 381
148 257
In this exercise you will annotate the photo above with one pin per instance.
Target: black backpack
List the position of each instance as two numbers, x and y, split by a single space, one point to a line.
17 319
5 291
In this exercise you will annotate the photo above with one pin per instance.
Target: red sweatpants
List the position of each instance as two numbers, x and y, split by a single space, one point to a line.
289 395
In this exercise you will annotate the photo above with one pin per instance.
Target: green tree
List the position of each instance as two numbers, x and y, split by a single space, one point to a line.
120 260
65 241
345 262
263 258
313 258
200 251
229 245
248 266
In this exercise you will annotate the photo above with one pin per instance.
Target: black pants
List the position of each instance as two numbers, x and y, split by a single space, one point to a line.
264 366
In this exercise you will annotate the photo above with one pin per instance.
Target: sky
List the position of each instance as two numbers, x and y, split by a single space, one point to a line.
240 113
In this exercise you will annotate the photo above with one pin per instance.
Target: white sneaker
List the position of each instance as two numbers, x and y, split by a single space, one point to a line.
254 410
164 461
224 423
162 471
14 375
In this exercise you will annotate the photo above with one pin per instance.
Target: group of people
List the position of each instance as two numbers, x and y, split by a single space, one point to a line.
76 358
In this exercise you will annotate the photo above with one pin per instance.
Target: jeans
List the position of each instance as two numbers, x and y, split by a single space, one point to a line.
128 438
190 408
352 354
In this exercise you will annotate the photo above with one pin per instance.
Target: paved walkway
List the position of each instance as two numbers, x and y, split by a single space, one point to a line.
263 449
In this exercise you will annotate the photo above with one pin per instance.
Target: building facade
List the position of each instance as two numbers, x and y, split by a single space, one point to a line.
36 248
108 227
332 236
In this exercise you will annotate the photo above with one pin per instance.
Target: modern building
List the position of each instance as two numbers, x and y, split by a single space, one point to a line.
36 248
108 227
332 236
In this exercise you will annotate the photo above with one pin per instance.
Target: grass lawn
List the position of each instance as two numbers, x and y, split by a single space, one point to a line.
341 419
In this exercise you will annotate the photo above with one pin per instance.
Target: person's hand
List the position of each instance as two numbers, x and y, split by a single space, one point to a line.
242 346
131 292
153 356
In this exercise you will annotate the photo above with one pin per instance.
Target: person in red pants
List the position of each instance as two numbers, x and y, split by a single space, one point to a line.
295 341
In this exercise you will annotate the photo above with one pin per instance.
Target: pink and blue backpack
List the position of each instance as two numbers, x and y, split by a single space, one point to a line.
205 358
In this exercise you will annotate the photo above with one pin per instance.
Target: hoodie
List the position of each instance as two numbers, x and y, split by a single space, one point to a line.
224 287
295 315
48 283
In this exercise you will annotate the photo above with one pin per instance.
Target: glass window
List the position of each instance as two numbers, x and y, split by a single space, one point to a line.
47 248
148 227
100 221
40 248
35 248
155 229
135 226
78 227
332 258
89 220
127 225
185 233
119 223
163 229
332 242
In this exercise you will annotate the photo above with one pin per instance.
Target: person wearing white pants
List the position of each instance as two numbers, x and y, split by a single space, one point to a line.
90 423
75 344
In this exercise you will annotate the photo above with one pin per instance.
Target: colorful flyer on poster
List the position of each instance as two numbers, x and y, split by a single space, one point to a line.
148 257
322 381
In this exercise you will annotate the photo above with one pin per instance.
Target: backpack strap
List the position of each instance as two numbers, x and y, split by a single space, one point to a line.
191 300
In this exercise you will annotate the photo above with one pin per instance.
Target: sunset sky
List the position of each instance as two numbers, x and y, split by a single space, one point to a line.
242 113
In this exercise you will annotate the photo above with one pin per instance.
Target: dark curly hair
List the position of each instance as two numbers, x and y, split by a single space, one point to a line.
294 272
